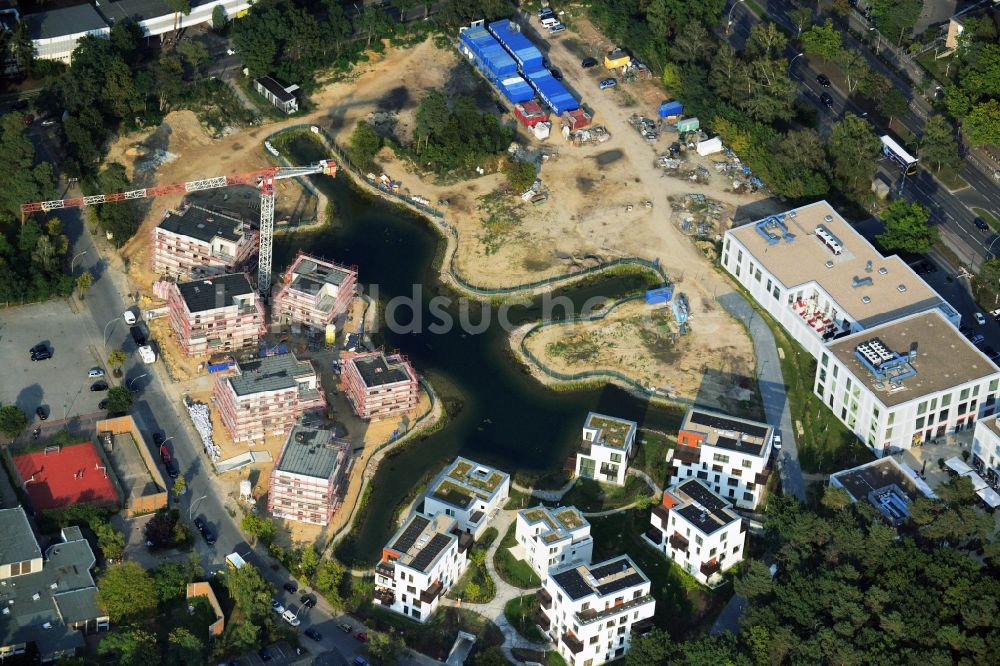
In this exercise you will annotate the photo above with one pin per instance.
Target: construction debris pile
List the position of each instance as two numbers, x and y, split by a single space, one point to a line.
648 129
202 420
742 177
678 168
535 195
588 136
698 215
635 71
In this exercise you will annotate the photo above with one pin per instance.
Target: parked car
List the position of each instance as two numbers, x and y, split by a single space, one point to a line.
995 314
291 587
230 52
41 346
980 319
608 83
264 654
981 224
42 412
199 523
129 317
827 99
556 74
587 63
158 438
823 80
977 340
277 607
361 636
291 618
776 441
557 28
41 355
990 352
313 634
95 373
360 661
99 386
20 105
138 335
173 471
28 119
103 404
307 600
209 535
346 627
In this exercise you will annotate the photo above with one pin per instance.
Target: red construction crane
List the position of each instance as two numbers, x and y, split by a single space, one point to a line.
263 179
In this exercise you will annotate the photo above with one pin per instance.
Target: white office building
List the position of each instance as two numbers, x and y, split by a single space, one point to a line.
728 454
592 612
698 530
468 492
886 484
986 457
606 448
420 564
907 382
553 538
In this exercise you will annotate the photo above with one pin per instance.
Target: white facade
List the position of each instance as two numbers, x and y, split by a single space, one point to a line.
698 530
729 455
419 565
468 492
553 538
986 450
606 448
893 416
591 613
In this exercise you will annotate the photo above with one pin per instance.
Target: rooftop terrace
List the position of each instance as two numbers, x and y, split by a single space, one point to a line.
728 432
612 432
420 541
464 480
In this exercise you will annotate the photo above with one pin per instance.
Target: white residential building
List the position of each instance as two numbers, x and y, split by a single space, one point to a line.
553 538
419 564
468 492
591 612
820 279
904 383
606 448
986 450
728 454
698 530
886 484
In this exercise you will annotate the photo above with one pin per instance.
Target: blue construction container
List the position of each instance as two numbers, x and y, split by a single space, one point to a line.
553 93
660 295
671 108
515 89
488 55
526 54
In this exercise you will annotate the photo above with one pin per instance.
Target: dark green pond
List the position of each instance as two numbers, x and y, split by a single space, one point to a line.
498 414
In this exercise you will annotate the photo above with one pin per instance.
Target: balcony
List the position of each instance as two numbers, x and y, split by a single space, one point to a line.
688 455
710 567
661 512
678 542
542 620
387 569
642 627
431 593
544 598
385 596
654 535
592 615
573 643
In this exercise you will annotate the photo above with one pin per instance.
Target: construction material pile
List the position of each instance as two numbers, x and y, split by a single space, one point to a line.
588 136
648 129
698 215
202 420
742 177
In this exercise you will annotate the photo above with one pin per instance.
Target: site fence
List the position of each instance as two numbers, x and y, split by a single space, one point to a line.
563 277
595 375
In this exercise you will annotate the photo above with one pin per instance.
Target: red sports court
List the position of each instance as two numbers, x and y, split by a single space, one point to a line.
59 477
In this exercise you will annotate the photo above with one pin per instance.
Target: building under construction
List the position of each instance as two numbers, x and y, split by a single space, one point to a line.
380 385
198 242
305 484
218 314
313 292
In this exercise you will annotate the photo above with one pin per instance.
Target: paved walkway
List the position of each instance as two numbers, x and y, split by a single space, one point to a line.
657 491
772 391
545 495
493 609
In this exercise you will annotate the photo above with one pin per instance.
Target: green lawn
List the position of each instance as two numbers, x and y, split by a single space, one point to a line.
591 496
512 570
436 636
550 658
683 606
651 454
482 589
950 178
988 217
520 612
519 500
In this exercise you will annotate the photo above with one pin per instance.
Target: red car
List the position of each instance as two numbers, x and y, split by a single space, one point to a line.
28 119
361 636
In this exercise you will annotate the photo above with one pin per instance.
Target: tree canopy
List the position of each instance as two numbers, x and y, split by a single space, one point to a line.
456 137
938 147
252 593
907 228
130 647
126 591
12 420
854 149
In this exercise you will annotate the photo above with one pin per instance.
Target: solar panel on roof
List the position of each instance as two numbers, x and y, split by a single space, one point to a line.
727 442
573 584
609 569
410 534
703 496
620 584
427 555
722 423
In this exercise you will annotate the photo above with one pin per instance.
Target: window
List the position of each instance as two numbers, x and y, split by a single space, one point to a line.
945 400
769 284
943 415
747 463
964 395
616 457
825 359
994 385
719 458
920 423
733 482
921 409
697 539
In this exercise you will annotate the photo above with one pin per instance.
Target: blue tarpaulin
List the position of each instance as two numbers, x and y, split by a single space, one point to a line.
553 93
219 367
671 108
660 295
526 54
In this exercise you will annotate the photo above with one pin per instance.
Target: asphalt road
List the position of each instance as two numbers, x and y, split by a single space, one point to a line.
949 210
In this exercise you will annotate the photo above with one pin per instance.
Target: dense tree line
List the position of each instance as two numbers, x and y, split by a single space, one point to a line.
973 97
850 589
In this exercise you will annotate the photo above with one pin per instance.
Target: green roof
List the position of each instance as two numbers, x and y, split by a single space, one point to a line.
465 480
612 432
559 521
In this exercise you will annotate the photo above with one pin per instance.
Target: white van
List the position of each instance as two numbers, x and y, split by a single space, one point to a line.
129 317
549 21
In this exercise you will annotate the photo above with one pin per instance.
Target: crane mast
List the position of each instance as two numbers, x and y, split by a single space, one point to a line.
262 179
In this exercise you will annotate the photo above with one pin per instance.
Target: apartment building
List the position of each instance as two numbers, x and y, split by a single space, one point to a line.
421 562
470 493
313 292
886 484
380 385
217 314
306 482
986 450
606 448
48 601
728 454
820 279
907 382
266 396
698 530
592 612
553 538
197 242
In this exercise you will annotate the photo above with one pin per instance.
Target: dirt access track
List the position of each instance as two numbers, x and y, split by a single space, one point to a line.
584 221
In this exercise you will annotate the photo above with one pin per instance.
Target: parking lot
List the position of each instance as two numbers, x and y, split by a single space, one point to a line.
60 383
281 653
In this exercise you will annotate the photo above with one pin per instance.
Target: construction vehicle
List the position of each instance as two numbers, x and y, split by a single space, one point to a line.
262 179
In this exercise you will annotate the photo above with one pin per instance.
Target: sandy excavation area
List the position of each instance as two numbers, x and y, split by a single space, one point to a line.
605 201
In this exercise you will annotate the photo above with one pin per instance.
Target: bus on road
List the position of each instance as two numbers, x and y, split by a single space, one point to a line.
895 152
